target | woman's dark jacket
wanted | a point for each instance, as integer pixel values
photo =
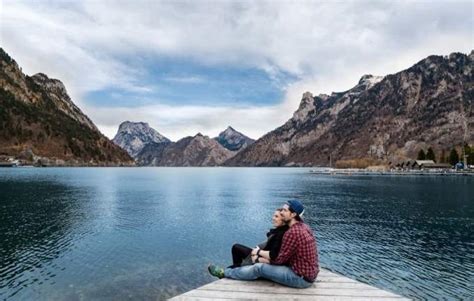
(274, 240)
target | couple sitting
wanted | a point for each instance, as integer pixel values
(288, 257)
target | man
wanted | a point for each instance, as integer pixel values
(297, 263)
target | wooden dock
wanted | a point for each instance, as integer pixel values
(328, 286)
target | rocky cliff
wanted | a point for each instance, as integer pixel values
(39, 120)
(134, 136)
(233, 140)
(381, 118)
(199, 150)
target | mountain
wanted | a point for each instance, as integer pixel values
(381, 119)
(199, 150)
(190, 151)
(233, 140)
(40, 123)
(134, 136)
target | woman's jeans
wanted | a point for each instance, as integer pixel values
(276, 273)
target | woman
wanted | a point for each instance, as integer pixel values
(241, 255)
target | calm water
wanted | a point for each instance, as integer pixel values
(148, 233)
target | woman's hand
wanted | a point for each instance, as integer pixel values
(264, 254)
(254, 258)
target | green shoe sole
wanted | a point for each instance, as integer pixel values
(216, 271)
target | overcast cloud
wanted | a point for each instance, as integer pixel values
(316, 46)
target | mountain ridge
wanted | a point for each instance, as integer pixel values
(198, 150)
(40, 124)
(148, 147)
(380, 119)
(384, 119)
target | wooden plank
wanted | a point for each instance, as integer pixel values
(349, 292)
(270, 296)
(338, 279)
(283, 289)
(341, 285)
(207, 298)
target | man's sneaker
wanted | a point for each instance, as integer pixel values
(216, 271)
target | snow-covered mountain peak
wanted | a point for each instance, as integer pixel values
(134, 136)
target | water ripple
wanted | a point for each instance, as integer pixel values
(148, 233)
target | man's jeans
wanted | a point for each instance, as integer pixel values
(277, 273)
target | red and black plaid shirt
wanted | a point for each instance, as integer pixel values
(299, 251)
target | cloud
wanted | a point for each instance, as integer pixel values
(185, 79)
(176, 122)
(327, 46)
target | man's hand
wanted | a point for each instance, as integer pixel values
(255, 250)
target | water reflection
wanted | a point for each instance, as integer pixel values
(35, 221)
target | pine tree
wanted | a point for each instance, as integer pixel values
(469, 151)
(453, 157)
(430, 155)
(421, 155)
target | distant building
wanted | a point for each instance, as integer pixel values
(437, 166)
(420, 164)
(8, 162)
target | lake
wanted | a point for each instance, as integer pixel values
(149, 233)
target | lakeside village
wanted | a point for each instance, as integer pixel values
(27, 158)
(425, 164)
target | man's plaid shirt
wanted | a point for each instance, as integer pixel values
(298, 251)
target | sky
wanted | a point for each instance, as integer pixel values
(199, 66)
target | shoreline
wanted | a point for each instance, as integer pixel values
(312, 170)
(359, 172)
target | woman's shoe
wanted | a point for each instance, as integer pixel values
(216, 271)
